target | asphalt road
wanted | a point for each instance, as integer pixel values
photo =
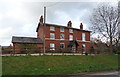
(99, 74)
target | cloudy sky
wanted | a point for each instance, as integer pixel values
(20, 18)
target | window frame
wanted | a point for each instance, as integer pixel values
(83, 37)
(63, 36)
(52, 46)
(70, 30)
(53, 35)
(70, 37)
(52, 28)
(62, 29)
(83, 48)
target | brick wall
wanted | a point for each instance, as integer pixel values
(77, 35)
(17, 47)
(40, 32)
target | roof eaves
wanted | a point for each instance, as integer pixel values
(65, 27)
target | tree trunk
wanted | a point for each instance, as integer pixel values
(111, 47)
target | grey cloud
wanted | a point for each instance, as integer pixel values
(72, 9)
(25, 25)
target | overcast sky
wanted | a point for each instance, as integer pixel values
(18, 18)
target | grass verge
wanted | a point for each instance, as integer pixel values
(57, 65)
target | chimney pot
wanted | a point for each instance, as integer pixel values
(81, 26)
(69, 24)
(41, 19)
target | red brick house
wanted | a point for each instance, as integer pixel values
(58, 36)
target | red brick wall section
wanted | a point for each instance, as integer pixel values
(77, 34)
(40, 32)
(40, 45)
(17, 49)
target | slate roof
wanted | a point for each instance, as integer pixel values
(5, 46)
(59, 26)
(102, 44)
(29, 40)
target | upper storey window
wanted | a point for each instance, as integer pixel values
(61, 29)
(52, 36)
(62, 36)
(71, 30)
(83, 37)
(52, 28)
(70, 37)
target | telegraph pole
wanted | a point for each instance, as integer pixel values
(44, 28)
(119, 24)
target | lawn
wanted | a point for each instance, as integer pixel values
(57, 65)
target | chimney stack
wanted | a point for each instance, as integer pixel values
(69, 24)
(41, 19)
(81, 26)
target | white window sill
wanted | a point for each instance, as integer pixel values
(62, 39)
(52, 38)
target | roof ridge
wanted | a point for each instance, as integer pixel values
(47, 24)
(26, 40)
(22, 37)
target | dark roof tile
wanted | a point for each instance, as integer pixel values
(29, 40)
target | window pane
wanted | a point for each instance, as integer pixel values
(62, 36)
(52, 36)
(83, 48)
(71, 37)
(52, 46)
(70, 30)
(52, 28)
(61, 29)
(83, 36)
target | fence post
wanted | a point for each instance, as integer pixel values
(0, 60)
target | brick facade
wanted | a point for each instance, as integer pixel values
(77, 35)
(17, 47)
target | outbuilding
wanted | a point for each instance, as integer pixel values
(23, 44)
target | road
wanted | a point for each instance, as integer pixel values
(99, 74)
(104, 74)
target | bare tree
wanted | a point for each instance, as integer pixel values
(106, 20)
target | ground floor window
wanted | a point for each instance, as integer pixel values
(52, 46)
(83, 48)
(62, 45)
(71, 37)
